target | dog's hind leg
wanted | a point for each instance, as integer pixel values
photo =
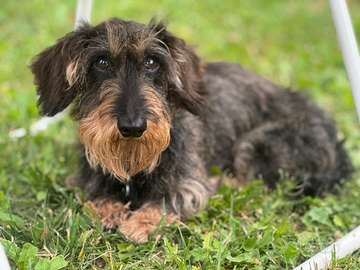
(254, 157)
(310, 155)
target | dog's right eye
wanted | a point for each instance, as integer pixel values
(151, 64)
(102, 64)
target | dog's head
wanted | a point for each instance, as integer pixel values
(125, 80)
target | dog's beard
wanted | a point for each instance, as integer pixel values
(123, 157)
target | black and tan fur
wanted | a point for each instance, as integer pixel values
(187, 116)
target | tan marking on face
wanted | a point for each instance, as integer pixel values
(124, 157)
(71, 74)
(115, 35)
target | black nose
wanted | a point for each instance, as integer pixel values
(134, 128)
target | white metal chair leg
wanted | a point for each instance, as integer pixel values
(346, 245)
(348, 46)
(345, 33)
(83, 13)
(4, 264)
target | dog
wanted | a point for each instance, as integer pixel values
(140, 93)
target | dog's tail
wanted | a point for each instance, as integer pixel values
(343, 169)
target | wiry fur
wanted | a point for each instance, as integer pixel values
(123, 157)
(198, 116)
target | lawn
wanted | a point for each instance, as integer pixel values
(43, 225)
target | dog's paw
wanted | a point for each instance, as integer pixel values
(111, 223)
(137, 225)
(112, 213)
(140, 224)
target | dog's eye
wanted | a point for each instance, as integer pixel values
(102, 64)
(151, 64)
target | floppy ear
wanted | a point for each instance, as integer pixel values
(187, 87)
(57, 73)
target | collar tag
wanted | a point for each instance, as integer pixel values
(127, 186)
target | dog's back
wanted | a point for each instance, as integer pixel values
(256, 127)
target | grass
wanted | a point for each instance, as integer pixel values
(45, 226)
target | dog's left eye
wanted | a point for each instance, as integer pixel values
(151, 64)
(102, 64)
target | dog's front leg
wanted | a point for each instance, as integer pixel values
(186, 198)
(140, 224)
(137, 225)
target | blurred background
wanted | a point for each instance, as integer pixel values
(290, 42)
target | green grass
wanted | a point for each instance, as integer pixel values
(290, 42)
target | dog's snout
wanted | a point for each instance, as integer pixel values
(133, 129)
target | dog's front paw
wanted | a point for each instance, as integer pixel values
(112, 213)
(112, 222)
(137, 225)
(140, 224)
